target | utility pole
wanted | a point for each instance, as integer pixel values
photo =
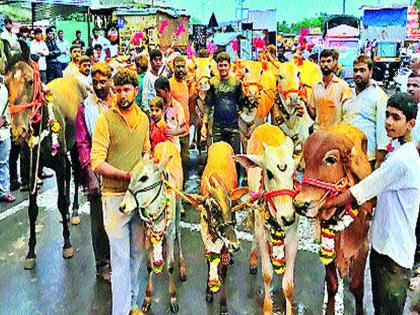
(344, 6)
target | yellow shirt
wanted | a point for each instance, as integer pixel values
(328, 101)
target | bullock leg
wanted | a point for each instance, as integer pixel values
(356, 273)
(147, 302)
(267, 271)
(181, 261)
(332, 287)
(223, 303)
(77, 171)
(291, 246)
(253, 258)
(170, 258)
(63, 203)
(30, 260)
(209, 293)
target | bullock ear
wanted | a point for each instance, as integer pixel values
(358, 163)
(249, 160)
(237, 193)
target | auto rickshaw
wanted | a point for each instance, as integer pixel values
(386, 61)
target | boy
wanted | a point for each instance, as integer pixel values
(158, 126)
(396, 183)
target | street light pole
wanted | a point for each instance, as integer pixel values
(344, 6)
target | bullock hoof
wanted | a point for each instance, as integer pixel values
(209, 296)
(145, 307)
(29, 263)
(75, 220)
(174, 307)
(183, 277)
(253, 270)
(223, 310)
(68, 252)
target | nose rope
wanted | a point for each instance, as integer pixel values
(332, 189)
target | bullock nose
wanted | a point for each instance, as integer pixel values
(302, 208)
(290, 221)
(122, 207)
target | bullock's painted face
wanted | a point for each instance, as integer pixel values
(326, 156)
(145, 190)
(396, 124)
(20, 84)
(277, 166)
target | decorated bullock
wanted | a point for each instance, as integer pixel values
(200, 71)
(43, 123)
(150, 194)
(271, 177)
(218, 191)
(335, 159)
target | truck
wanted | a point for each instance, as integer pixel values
(342, 32)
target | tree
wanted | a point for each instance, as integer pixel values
(305, 23)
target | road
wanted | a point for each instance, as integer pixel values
(58, 286)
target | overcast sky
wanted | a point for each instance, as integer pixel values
(289, 10)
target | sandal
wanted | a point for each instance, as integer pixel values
(8, 198)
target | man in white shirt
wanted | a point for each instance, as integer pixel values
(105, 43)
(366, 110)
(63, 59)
(150, 78)
(84, 72)
(396, 183)
(39, 48)
(413, 88)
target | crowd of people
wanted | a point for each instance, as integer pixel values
(126, 114)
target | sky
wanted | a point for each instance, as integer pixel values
(289, 10)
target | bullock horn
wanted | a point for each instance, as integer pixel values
(188, 198)
(246, 203)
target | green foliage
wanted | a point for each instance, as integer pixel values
(195, 20)
(305, 23)
(16, 12)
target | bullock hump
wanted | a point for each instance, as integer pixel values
(162, 151)
(265, 134)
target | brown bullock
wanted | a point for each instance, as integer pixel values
(335, 159)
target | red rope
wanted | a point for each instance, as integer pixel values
(333, 189)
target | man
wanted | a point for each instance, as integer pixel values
(5, 143)
(328, 95)
(78, 40)
(366, 110)
(8, 35)
(413, 88)
(73, 68)
(100, 100)
(179, 91)
(39, 48)
(120, 139)
(142, 65)
(414, 68)
(150, 78)
(63, 59)
(24, 35)
(396, 184)
(93, 54)
(174, 118)
(52, 61)
(225, 100)
(102, 41)
(84, 72)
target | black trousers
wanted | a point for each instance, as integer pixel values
(390, 283)
(16, 151)
(231, 136)
(185, 155)
(100, 242)
(53, 71)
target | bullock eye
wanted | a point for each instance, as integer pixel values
(269, 174)
(282, 168)
(330, 160)
(281, 77)
(144, 178)
(246, 70)
(30, 82)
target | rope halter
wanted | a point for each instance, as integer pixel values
(332, 189)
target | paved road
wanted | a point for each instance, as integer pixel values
(58, 286)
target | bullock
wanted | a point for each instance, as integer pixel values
(271, 167)
(43, 123)
(150, 194)
(335, 159)
(218, 190)
(199, 72)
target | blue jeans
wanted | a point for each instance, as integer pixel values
(126, 240)
(4, 167)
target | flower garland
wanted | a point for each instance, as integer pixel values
(328, 232)
(277, 257)
(214, 280)
(53, 124)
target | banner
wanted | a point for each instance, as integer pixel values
(413, 32)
